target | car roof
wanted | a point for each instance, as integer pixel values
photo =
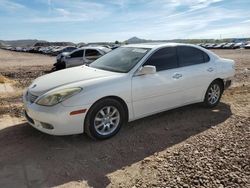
(90, 47)
(157, 45)
(93, 47)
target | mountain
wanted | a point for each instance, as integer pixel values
(33, 42)
(135, 40)
(45, 43)
(21, 43)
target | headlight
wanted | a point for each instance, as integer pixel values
(56, 97)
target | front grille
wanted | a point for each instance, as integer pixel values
(30, 97)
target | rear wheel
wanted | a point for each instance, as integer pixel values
(105, 119)
(213, 94)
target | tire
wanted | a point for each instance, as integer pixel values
(60, 66)
(213, 94)
(96, 122)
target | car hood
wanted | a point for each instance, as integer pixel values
(68, 76)
(62, 54)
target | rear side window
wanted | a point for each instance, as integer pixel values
(163, 59)
(78, 53)
(90, 53)
(191, 56)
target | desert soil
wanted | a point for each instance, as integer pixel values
(187, 147)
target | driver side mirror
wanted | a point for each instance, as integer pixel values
(148, 69)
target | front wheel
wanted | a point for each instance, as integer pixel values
(105, 119)
(213, 94)
(61, 66)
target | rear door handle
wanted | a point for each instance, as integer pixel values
(210, 69)
(177, 76)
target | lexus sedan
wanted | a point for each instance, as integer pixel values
(130, 82)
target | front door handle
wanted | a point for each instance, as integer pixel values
(177, 76)
(210, 69)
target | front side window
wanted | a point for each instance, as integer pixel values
(191, 56)
(163, 59)
(122, 59)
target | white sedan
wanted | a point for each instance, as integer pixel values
(80, 56)
(84, 55)
(126, 84)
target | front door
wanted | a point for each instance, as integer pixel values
(153, 93)
(76, 58)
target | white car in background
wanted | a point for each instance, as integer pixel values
(81, 56)
(126, 84)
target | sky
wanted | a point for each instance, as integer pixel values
(111, 20)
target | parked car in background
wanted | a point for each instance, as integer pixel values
(115, 46)
(43, 50)
(19, 49)
(210, 46)
(219, 46)
(8, 48)
(247, 46)
(128, 83)
(228, 45)
(237, 45)
(34, 49)
(85, 55)
(61, 55)
(62, 49)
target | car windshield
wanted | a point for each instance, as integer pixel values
(122, 59)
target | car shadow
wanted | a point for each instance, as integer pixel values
(56, 160)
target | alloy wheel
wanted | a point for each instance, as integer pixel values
(106, 120)
(214, 94)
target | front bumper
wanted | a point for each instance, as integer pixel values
(59, 65)
(227, 83)
(55, 120)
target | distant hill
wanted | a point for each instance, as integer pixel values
(33, 42)
(135, 40)
(21, 43)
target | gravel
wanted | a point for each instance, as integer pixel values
(218, 157)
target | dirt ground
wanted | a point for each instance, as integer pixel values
(187, 147)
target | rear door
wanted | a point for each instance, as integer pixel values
(91, 55)
(198, 71)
